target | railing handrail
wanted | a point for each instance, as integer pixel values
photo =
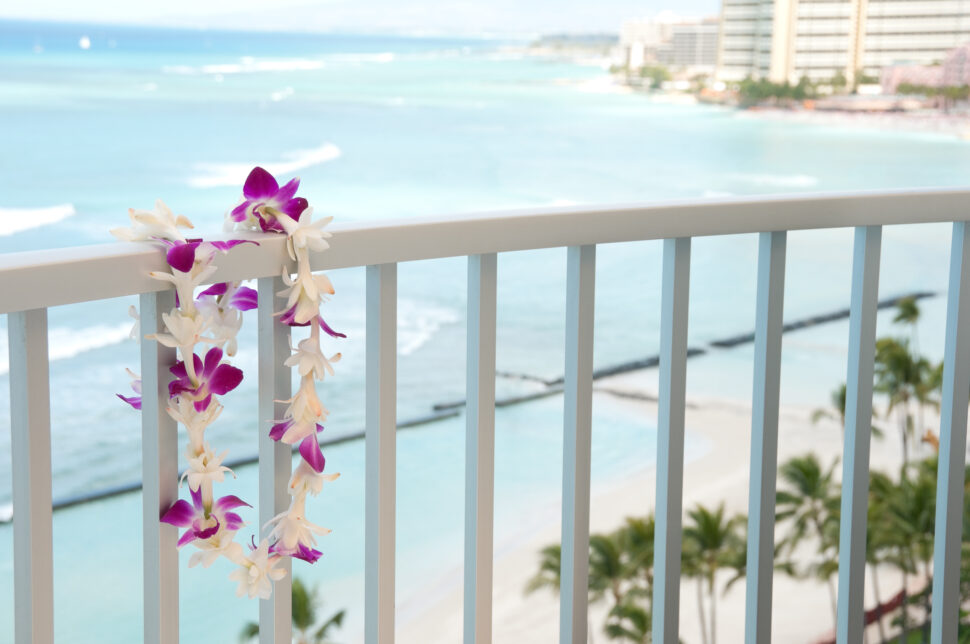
(31, 282)
(37, 279)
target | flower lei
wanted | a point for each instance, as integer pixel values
(214, 317)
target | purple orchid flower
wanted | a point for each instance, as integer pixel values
(214, 378)
(134, 401)
(306, 553)
(241, 298)
(260, 191)
(181, 254)
(309, 447)
(288, 318)
(183, 514)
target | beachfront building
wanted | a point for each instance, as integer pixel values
(953, 72)
(785, 40)
(956, 66)
(672, 41)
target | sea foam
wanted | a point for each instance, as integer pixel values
(419, 322)
(776, 180)
(247, 65)
(67, 343)
(215, 175)
(15, 220)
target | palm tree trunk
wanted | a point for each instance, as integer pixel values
(700, 609)
(903, 433)
(904, 633)
(926, 602)
(878, 596)
(713, 612)
(834, 601)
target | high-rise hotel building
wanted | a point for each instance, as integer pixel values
(787, 39)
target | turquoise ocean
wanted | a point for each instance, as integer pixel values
(386, 127)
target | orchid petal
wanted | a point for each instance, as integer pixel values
(225, 379)
(328, 330)
(279, 429)
(295, 207)
(181, 514)
(288, 190)
(134, 401)
(229, 502)
(208, 532)
(260, 184)
(239, 212)
(226, 246)
(244, 299)
(181, 257)
(216, 289)
(212, 359)
(307, 554)
(202, 405)
(310, 451)
(233, 521)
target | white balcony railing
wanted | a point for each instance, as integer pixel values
(31, 282)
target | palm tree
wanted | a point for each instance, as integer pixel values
(907, 312)
(304, 614)
(836, 411)
(810, 506)
(879, 536)
(912, 514)
(606, 570)
(710, 539)
(904, 379)
(550, 565)
(691, 566)
(629, 622)
(636, 541)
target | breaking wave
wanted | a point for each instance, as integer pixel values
(64, 343)
(247, 65)
(15, 220)
(419, 322)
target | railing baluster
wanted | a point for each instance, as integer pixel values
(764, 435)
(670, 439)
(30, 428)
(953, 442)
(381, 420)
(480, 449)
(574, 595)
(275, 458)
(858, 430)
(159, 449)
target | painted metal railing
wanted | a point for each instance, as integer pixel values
(33, 281)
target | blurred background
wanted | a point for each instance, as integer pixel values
(391, 110)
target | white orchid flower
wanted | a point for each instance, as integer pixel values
(306, 480)
(159, 223)
(256, 572)
(305, 235)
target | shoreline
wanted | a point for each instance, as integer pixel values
(948, 125)
(719, 474)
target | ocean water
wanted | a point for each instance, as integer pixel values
(382, 127)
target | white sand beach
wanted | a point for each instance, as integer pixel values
(929, 121)
(802, 609)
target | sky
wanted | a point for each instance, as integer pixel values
(413, 16)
